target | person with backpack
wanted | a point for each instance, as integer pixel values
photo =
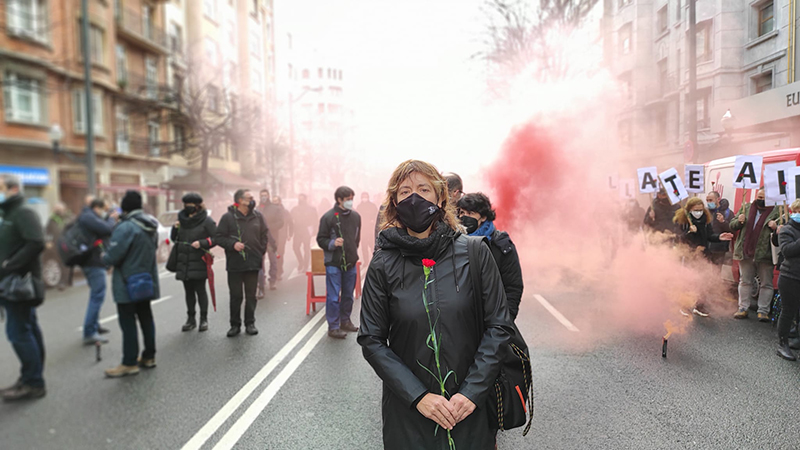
(193, 236)
(21, 245)
(132, 253)
(476, 214)
(96, 224)
(419, 296)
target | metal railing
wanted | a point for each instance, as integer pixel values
(134, 23)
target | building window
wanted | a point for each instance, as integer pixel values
(153, 132)
(79, 111)
(27, 18)
(660, 121)
(122, 129)
(23, 98)
(625, 39)
(255, 44)
(176, 38)
(213, 99)
(624, 133)
(257, 79)
(305, 74)
(147, 21)
(626, 85)
(321, 108)
(232, 33)
(96, 38)
(340, 75)
(320, 73)
(210, 8)
(704, 47)
(762, 82)
(703, 109)
(766, 18)
(178, 137)
(663, 79)
(662, 21)
(122, 65)
(151, 76)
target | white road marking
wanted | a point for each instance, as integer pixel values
(231, 438)
(211, 427)
(114, 317)
(560, 317)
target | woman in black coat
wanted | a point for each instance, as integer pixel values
(193, 236)
(422, 410)
(476, 214)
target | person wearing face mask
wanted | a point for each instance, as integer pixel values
(97, 224)
(477, 216)
(695, 230)
(244, 235)
(274, 217)
(420, 224)
(658, 217)
(789, 282)
(721, 222)
(194, 236)
(755, 222)
(339, 236)
(21, 246)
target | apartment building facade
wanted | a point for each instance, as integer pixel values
(745, 53)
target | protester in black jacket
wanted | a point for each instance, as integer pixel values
(243, 234)
(659, 215)
(476, 214)
(789, 282)
(97, 223)
(193, 237)
(694, 229)
(339, 236)
(396, 324)
(21, 245)
(721, 221)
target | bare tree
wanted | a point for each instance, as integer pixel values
(521, 39)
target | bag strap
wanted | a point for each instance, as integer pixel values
(473, 244)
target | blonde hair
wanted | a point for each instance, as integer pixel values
(403, 171)
(795, 206)
(682, 215)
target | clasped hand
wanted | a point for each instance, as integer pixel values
(446, 413)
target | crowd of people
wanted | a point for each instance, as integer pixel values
(712, 231)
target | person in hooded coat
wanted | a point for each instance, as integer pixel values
(395, 323)
(658, 217)
(694, 228)
(193, 235)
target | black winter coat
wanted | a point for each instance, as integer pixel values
(254, 233)
(329, 231)
(21, 243)
(505, 255)
(199, 228)
(700, 238)
(394, 332)
(789, 239)
(97, 228)
(664, 214)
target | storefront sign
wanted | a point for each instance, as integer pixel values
(30, 176)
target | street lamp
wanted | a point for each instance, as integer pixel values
(55, 137)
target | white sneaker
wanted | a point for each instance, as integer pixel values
(697, 312)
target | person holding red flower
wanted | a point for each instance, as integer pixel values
(339, 236)
(420, 329)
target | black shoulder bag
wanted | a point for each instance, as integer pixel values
(512, 401)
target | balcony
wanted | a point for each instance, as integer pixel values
(132, 26)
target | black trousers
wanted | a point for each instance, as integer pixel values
(243, 285)
(790, 304)
(128, 313)
(196, 293)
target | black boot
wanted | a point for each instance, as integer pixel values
(203, 324)
(190, 324)
(794, 343)
(784, 351)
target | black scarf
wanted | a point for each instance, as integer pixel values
(409, 245)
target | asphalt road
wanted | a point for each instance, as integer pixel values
(291, 387)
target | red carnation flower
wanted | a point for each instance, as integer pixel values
(98, 243)
(784, 183)
(336, 214)
(167, 241)
(428, 262)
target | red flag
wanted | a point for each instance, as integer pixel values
(209, 260)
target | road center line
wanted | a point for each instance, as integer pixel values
(251, 414)
(114, 317)
(560, 317)
(211, 427)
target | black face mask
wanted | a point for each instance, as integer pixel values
(416, 213)
(760, 204)
(251, 206)
(470, 223)
(189, 210)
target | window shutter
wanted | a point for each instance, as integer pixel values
(36, 101)
(14, 15)
(77, 110)
(97, 113)
(8, 95)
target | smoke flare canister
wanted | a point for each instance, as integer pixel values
(664, 347)
(97, 354)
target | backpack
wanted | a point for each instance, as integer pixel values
(75, 245)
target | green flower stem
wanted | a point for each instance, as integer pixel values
(344, 258)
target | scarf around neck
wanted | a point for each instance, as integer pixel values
(486, 230)
(751, 235)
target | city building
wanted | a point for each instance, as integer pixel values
(746, 62)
